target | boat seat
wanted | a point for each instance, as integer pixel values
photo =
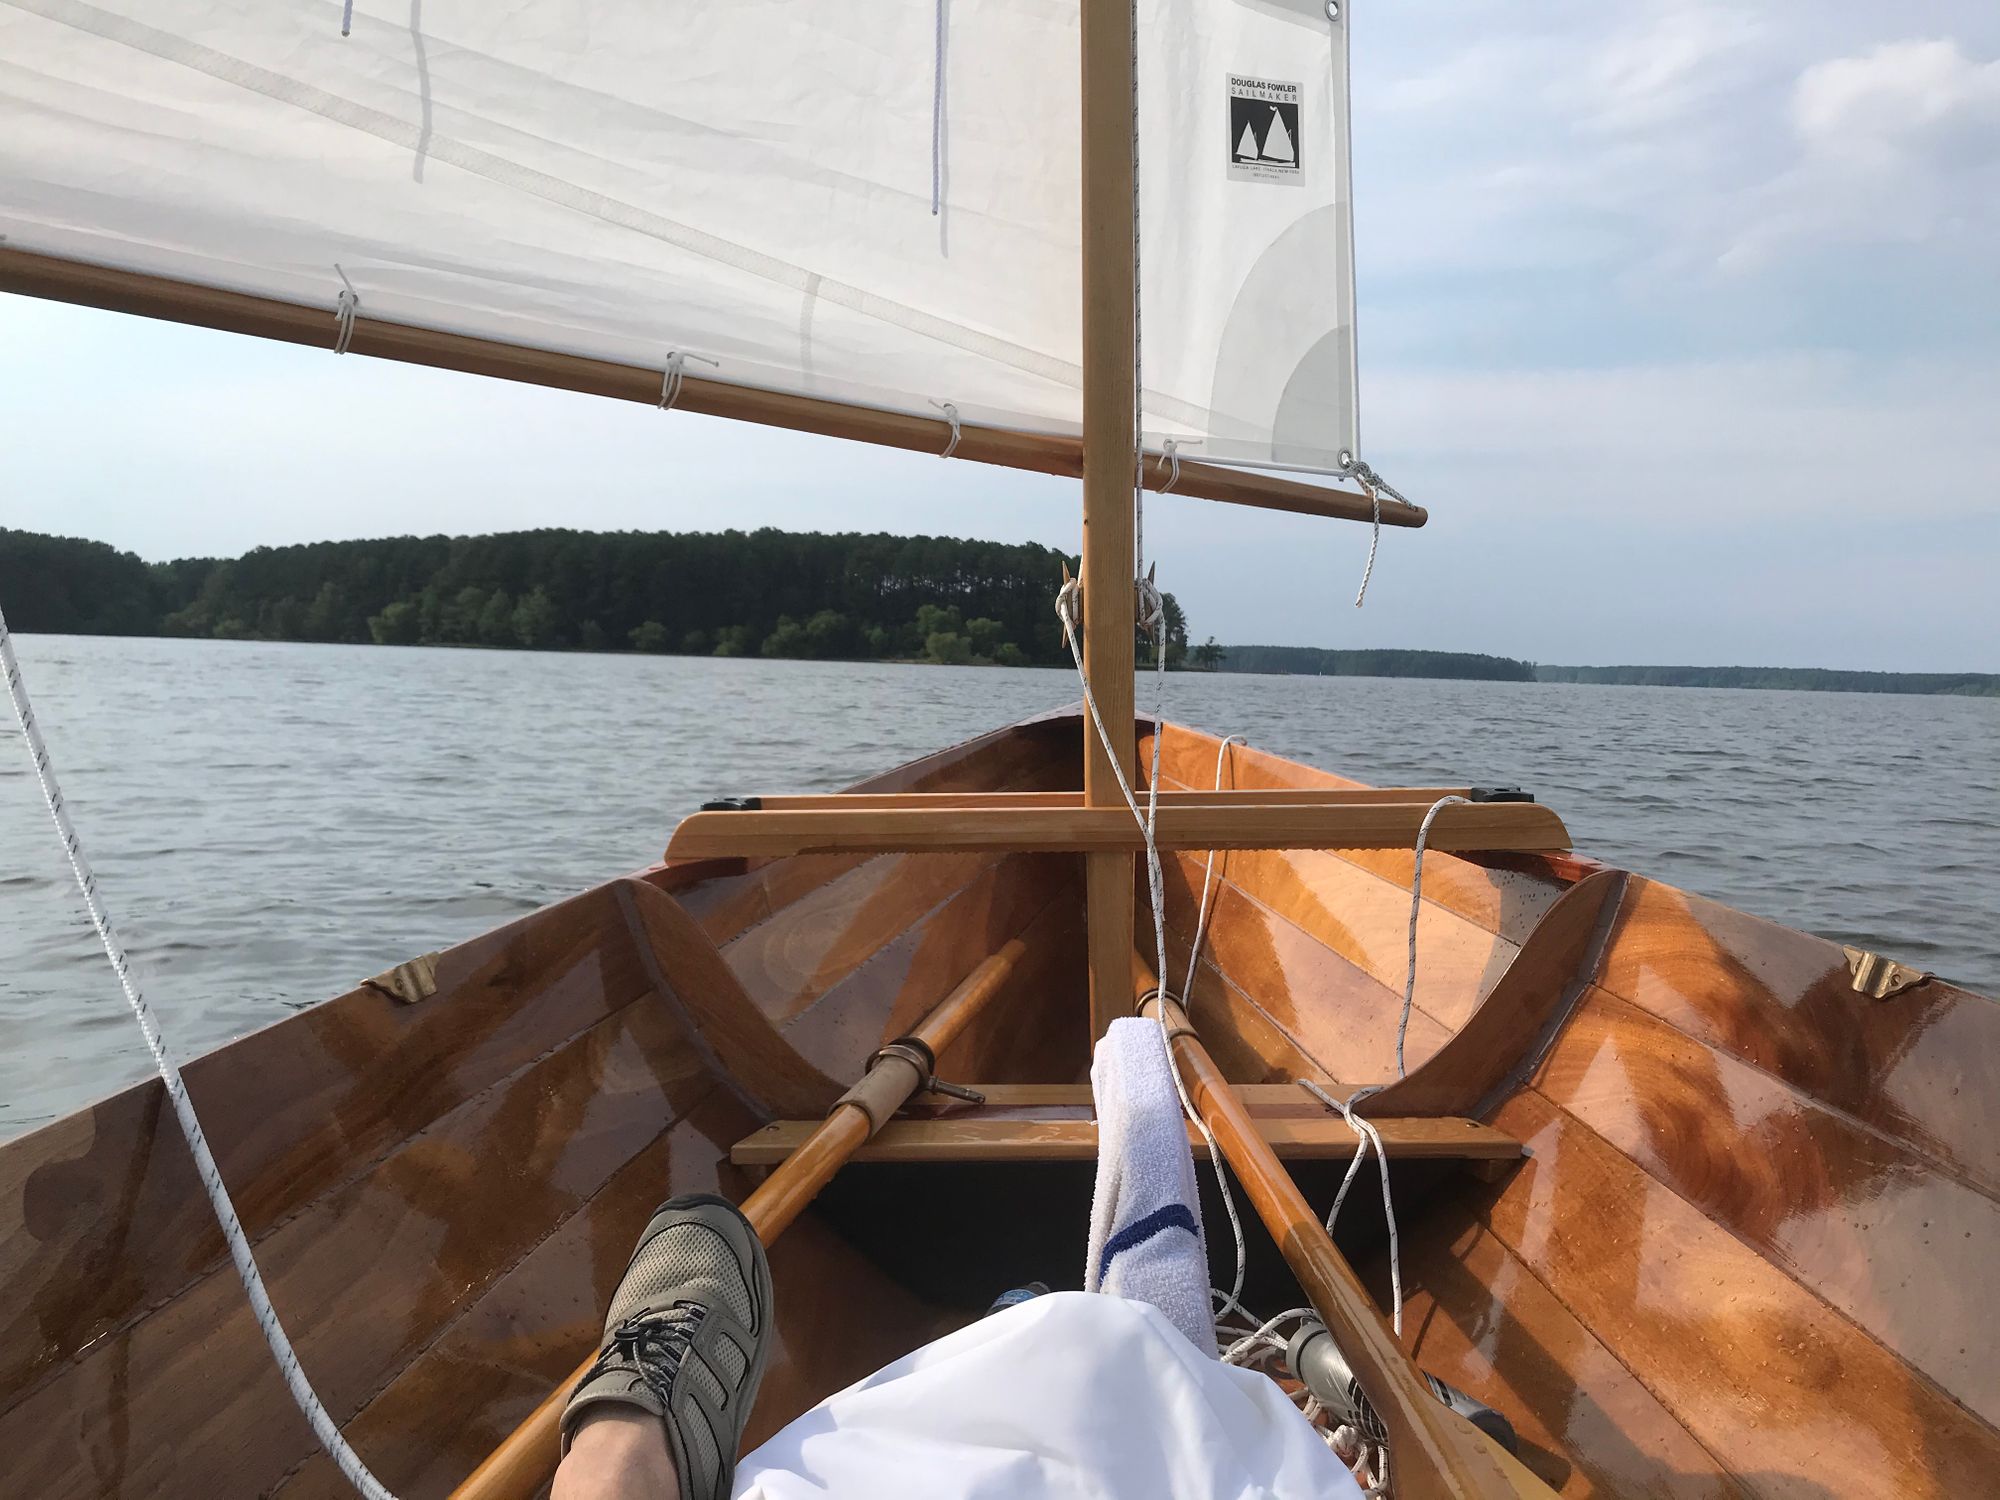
(1044, 1131)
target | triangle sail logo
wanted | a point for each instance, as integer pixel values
(1264, 139)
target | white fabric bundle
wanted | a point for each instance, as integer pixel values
(1065, 1397)
(1145, 1219)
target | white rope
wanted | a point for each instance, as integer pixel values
(950, 415)
(1066, 610)
(1416, 906)
(1263, 1335)
(1207, 878)
(322, 1424)
(1170, 457)
(937, 113)
(675, 372)
(1366, 1135)
(344, 309)
(1375, 486)
(1374, 540)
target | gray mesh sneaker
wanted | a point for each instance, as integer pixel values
(686, 1338)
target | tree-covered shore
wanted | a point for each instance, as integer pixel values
(1468, 666)
(849, 596)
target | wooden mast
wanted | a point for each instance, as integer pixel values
(1110, 407)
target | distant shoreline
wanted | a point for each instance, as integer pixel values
(1465, 666)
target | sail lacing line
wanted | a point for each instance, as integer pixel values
(344, 308)
(323, 1426)
(675, 372)
(950, 415)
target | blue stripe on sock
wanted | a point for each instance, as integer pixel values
(1173, 1216)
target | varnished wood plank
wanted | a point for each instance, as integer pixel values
(1485, 888)
(509, 1341)
(1481, 1321)
(734, 1039)
(1040, 1027)
(363, 1278)
(1248, 1044)
(1177, 797)
(100, 1214)
(788, 962)
(29, 274)
(971, 1138)
(899, 983)
(1855, 1216)
(1260, 1099)
(1787, 1394)
(1495, 1050)
(1331, 1010)
(1490, 825)
(1365, 919)
(1923, 1066)
(1017, 756)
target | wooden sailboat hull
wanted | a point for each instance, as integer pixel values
(1741, 1255)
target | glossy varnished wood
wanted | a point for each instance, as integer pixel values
(1788, 1394)
(1102, 830)
(1496, 1049)
(1480, 1320)
(101, 1218)
(1854, 1216)
(1923, 1066)
(969, 1139)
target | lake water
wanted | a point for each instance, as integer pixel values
(272, 823)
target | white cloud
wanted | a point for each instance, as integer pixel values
(1900, 99)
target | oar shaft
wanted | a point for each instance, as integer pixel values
(521, 1465)
(1431, 1461)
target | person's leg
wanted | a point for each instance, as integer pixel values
(617, 1453)
(662, 1412)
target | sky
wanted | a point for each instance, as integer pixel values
(1683, 321)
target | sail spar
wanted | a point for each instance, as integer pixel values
(747, 183)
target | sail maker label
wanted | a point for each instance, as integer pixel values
(1263, 130)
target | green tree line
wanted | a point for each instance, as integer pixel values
(1798, 679)
(1317, 661)
(849, 596)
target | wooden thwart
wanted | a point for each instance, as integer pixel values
(971, 1139)
(1218, 820)
(998, 801)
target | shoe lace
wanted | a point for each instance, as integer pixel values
(653, 1342)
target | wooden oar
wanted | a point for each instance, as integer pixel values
(1431, 1457)
(522, 1464)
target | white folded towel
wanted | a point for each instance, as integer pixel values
(1145, 1218)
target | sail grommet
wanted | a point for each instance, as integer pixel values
(950, 415)
(670, 380)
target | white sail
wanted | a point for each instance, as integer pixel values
(749, 182)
